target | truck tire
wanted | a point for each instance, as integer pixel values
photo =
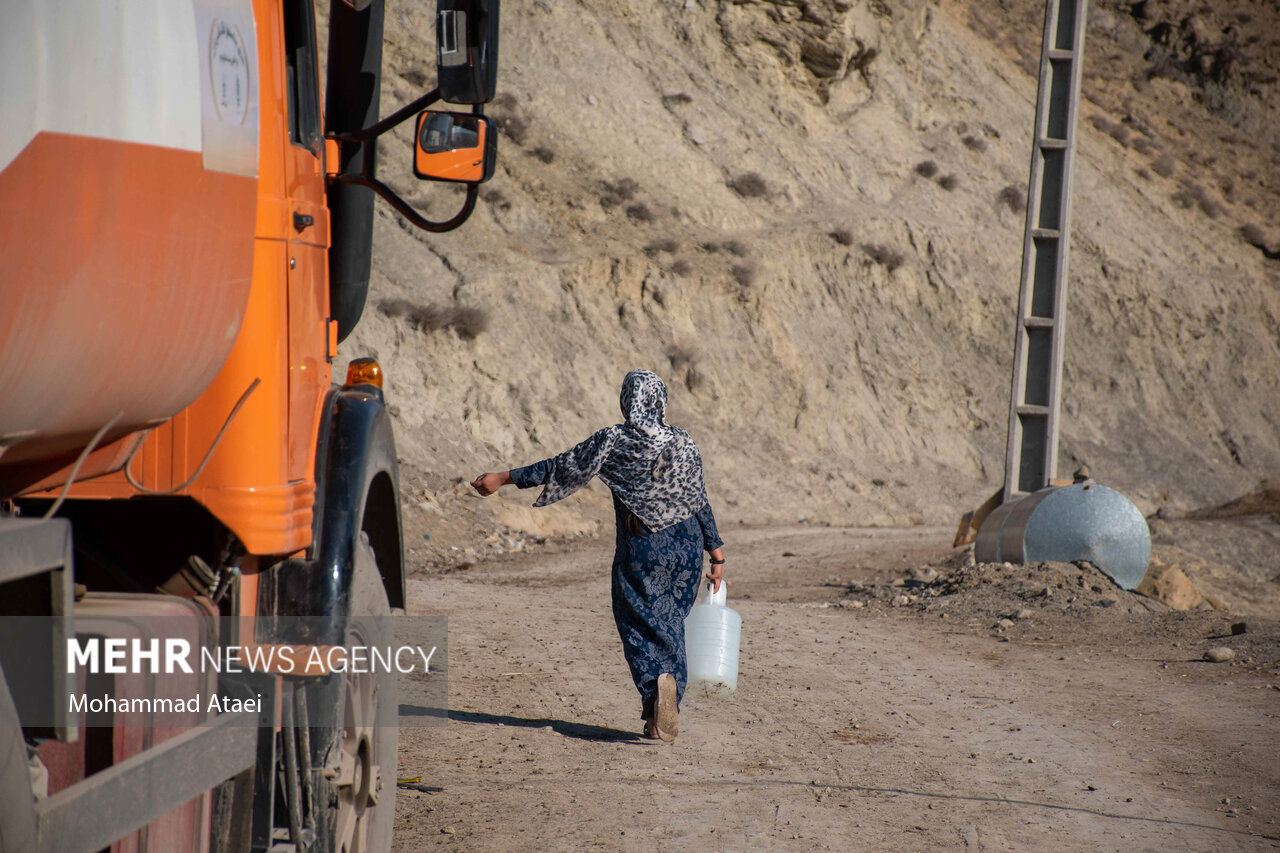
(17, 804)
(359, 783)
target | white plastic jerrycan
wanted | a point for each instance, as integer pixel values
(711, 635)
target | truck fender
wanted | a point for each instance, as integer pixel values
(357, 493)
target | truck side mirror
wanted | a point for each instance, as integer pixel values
(458, 147)
(467, 50)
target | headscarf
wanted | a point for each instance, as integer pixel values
(654, 469)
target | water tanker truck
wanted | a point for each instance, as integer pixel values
(185, 235)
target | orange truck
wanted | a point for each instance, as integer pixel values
(185, 237)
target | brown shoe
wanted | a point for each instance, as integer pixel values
(665, 718)
(650, 729)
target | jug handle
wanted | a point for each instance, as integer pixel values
(717, 597)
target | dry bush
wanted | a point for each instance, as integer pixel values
(495, 197)
(1145, 146)
(1143, 173)
(744, 274)
(735, 248)
(668, 245)
(1115, 130)
(612, 195)
(1192, 194)
(546, 155)
(749, 185)
(676, 99)
(977, 143)
(415, 77)
(949, 182)
(710, 247)
(1012, 197)
(505, 101)
(466, 321)
(681, 356)
(514, 128)
(681, 267)
(1253, 235)
(888, 258)
(926, 168)
(639, 212)
(843, 236)
(1163, 165)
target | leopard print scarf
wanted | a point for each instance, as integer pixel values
(654, 469)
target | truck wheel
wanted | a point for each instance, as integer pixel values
(17, 805)
(359, 782)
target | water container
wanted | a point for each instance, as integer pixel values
(711, 634)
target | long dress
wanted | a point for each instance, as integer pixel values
(655, 582)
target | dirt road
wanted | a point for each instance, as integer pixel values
(853, 727)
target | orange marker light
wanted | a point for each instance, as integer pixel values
(364, 371)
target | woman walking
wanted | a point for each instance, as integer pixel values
(664, 523)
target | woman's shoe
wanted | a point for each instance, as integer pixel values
(650, 729)
(665, 718)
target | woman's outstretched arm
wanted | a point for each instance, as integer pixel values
(487, 484)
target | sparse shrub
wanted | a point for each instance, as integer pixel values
(495, 197)
(735, 248)
(681, 267)
(614, 194)
(843, 236)
(546, 155)
(1253, 235)
(926, 168)
(976, 143)
(883, 255)
(668, 245)
(639, 212)
(514, 128)
(1163, 165)
(681, 356)
(862, 60)
(468, 322)
(1116, 131)
(710, 247)
(749, 185)
(1012, 198)
(415, 77)
(676, 99)
(1145, 146)
(1143, 173)
(505, 101)
(949, 182)
(744, 274)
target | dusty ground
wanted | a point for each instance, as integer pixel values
(1089, 722)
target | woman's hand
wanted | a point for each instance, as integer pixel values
(715, 574)
(487, 484)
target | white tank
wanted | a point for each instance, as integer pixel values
(712, 632)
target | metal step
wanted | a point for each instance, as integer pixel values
(1031, 457)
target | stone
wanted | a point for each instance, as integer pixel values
(1170, 585)
(697, 134)
(1238, 628)
(1024, 613)
(1005, 623)
(1219, 654)
(900, 601)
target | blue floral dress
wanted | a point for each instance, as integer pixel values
(655, 582)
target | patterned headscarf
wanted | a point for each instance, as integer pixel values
(654, 469)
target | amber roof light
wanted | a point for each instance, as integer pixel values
(364, 371)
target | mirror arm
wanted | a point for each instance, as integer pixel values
(373, 131)
(402, 207)
(369, 181)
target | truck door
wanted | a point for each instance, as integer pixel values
(308, 236)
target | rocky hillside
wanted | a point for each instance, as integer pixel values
(807, 217)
